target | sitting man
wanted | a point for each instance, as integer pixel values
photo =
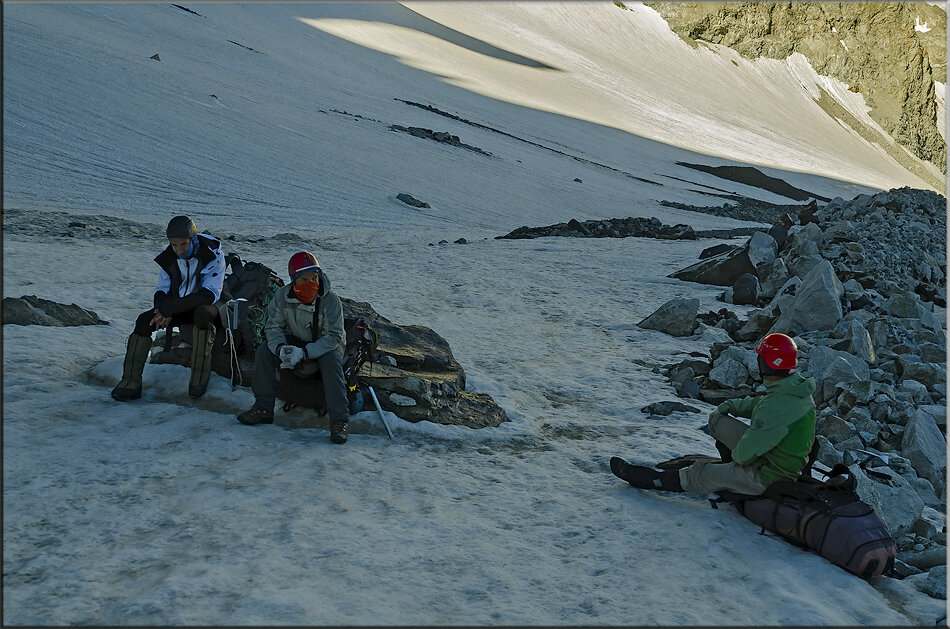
(774, 447)
(190, 282)
(304, 324)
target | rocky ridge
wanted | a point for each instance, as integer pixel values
(861, 287)
(622, 228)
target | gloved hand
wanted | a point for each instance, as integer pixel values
(714, 415)
(290, 356)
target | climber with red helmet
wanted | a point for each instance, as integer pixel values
(775, 445)
(190, 283)
(304, 332)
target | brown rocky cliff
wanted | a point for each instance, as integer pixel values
(872, 47)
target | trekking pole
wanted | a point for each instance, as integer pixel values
(380, 411)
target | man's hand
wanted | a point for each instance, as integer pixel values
(159, 321)
(290, 356)
(714, 415)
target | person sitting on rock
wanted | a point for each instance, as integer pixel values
(776, 445)
(190, 282)
(304, 325)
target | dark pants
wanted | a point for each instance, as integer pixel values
(202, 317)
(264, 385)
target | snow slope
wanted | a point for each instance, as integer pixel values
(264, 119)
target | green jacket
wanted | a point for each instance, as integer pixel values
(782, 427)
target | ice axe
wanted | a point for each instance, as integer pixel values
(380, 411)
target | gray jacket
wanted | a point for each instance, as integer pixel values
(291, 322)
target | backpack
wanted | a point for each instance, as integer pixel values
(256, 284)
(299, 388)
(826, 517)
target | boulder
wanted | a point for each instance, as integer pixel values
(938, 412)
(927, 558)
(935, 583)
(719, 270)
(821, 357)
(677, 317)
(929, 524)
(408, 199)
(784, 298)
(817, 303)
(800, 250)
(827, 453)
(718, 396)
(926, 447)
(913, 392)
(687, 389)
(891, 496)
(833, 428)
(746, 290)
(928, 374)
(857, 341)
(666, 408)
(932, 353)
(715, 250)
(842, 231)
(33, 310)
(756, 327)
(729, 373)
(762, 249)
(772, 276)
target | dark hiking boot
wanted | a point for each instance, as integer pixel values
(338, 432)
(646, 477)
(256, 415)
(136, 353)
(201, 343)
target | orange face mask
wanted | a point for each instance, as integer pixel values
(307, 291)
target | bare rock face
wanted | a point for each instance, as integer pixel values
(413, 372)
(882, 50)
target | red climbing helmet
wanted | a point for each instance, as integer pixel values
(301, 262)
(778, 351)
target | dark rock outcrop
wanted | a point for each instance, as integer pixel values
(608, 228)
(32, 310)
(408, 199)
(439, 136)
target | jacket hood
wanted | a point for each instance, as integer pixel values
(795, 385)
(324, 284)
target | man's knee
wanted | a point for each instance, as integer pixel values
(264, 355)
(143, 324)
(204, 316)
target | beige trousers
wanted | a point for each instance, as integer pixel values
(705, 478)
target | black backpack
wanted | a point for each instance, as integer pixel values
(255, 283)
(826, 517)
